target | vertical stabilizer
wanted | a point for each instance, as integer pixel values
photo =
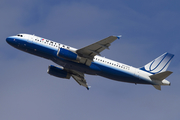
(158, 65)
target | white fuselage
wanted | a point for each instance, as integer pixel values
(100, 66)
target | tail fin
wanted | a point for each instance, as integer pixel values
(158, 65)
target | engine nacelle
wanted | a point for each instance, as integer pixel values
(66, 54)
(58, 72)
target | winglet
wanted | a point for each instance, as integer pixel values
(88, 87)
(119, 36)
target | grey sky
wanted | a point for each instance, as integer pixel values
(148, 29)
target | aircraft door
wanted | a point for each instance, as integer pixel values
(30, 39)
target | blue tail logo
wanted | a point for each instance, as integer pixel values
(158, 65)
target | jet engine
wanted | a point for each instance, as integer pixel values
(66, 54)
(58, 72)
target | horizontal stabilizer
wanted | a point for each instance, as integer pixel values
(158, 87)
(160, 76)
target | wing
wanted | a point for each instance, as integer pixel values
(79, 78)
(94, 49)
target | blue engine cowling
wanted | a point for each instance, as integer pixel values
(58, 72)
(66, 54)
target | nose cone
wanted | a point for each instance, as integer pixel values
(10, 40)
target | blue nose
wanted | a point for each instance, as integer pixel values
(9, 40)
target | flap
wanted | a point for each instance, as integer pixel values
(79, 78)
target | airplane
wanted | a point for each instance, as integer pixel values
(76, 63)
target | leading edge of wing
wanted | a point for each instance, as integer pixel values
(94, 49)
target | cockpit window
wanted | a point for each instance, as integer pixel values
(20, 35)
